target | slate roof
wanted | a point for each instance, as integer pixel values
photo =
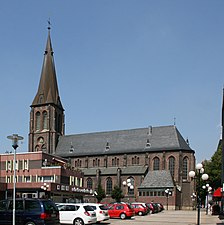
(131, 170)
(157, 179)
(163, 138)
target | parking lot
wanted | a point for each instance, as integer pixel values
(168, 217)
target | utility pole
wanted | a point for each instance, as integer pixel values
(222, 145)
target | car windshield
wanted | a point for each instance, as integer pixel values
(129, 206)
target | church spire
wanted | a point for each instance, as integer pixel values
(48, 88)
(47, 113)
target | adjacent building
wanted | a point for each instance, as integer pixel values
(40, 175)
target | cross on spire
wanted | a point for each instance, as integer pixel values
(49, 24)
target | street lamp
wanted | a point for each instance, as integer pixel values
(198, 174)
(193, 198)
(15, 139)
(130, 184)
(208, 190)
(168, 193)
(45, 187)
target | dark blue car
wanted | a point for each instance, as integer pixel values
(29, 211)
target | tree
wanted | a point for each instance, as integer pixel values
(213, 167)
(100, 193)
(117, 194)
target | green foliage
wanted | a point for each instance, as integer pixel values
(100, 193)
(117, 194)
(213, 168)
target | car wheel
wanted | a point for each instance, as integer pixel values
(122, 216)
(140, 213)
(78, 221)
(30, 223)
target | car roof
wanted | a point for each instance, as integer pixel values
(65, 203)
(96, 204)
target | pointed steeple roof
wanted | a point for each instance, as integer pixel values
(48, 88)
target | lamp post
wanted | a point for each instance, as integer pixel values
(15, 139)
(129, 183)
(193, 198)
(208, 190)
(45, 187)
(168, 193)
(198, 175)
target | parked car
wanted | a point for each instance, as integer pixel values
(139, 209)
(76, 213)
(144, 205)
(101, 211)
(151, 208)
(121, 210)
(160, 206)
(29, 211)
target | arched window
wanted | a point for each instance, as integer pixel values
(172, 165)
(89, 183)
(105, 161)
(37, 121)
(135, 160)
(45, 127)
(37, 148)
(98, 162)
(185, 168)
(109, 186)
(156, 163)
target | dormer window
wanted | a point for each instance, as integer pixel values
(71, 150)
(40, 100)
(107, 148)
(147, 144)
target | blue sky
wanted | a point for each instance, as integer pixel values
(120, 65)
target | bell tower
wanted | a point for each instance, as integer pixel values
(47, 113)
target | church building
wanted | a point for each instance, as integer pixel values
(143, 162)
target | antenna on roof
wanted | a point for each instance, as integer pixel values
(174, 121)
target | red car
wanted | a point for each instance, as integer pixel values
(121, 210)
(139, 209)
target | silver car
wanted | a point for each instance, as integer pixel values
(76, 213)
(101, 211)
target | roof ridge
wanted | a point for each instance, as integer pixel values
(110, 131)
